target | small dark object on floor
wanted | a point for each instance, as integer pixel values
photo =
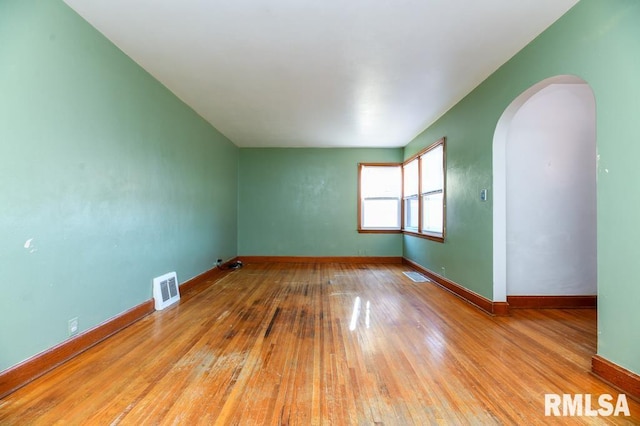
(235, 265)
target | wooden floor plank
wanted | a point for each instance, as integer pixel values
(280, 344)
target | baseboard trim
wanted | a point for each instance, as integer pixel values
(481, 302)
(207, 276)
(501, 309)
(619, 377)
(34, 367)
(322, 259)
(552, 302)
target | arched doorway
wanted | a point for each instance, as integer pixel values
(544, 183)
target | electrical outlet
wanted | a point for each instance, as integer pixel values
(73, 326)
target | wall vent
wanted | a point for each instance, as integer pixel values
(416, 277)
(165, 290)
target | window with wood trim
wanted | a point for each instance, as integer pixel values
(408, 197)
(424, 193)
(379, 195)
(411, 194)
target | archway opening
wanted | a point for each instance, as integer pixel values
(544, 184)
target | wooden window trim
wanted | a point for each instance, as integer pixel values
(359, 200)
(420, 233)
(438, 237)
(407, 197)
(432, 237)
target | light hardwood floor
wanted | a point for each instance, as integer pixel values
(279, 344)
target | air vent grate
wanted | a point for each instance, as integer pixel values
(165, 290)
(416, 277)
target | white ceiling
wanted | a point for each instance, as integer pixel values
(323, 73)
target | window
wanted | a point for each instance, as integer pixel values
(380, 191)
(411, 179)
(408, 197)
(432, 190)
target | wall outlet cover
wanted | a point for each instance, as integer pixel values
(73, 327)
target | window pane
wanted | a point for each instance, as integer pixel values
(432, 170)
(411, 213)
(411, 178)
(380, 214)
(432, 208)
(381, 181)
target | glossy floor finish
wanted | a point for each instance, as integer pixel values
(281, 344)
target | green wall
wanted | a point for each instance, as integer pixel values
(110, 177)
(303, 202)
(598, 41)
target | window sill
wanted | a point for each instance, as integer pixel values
(379, 231)
(437, 238)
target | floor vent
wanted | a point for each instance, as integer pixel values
(165, 290)
(416, 277)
